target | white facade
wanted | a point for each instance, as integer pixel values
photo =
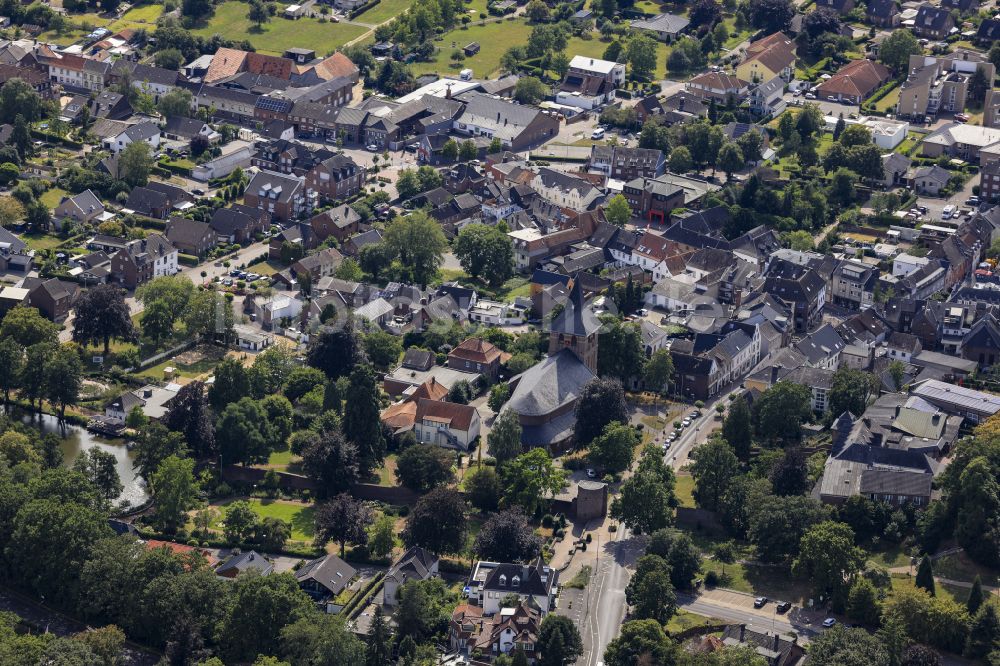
(116, 144)
(166, 265)
(580, 101)
(904, 264)
(76, 78)
(605, 69)
(434, 431)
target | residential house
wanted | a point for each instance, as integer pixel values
(852, 285)
(190, 236)
(152, 401)
(929, 180)
(415, 564)
(320, 264)
(799, 287)
(77, 73)
(654, 198)
(612, 72)
(775, 649)
(971, 143)
(988, 32)
(902, 346)
(662, 27)
(54, 298)
(341, 222)
(767, 58)
(623, 163)
(182, 128)
(535, 583)
(446, 424)
(585, 91)
(767, 98)
(882, 13)
(895, 167)
(565, 190)
(991, 109)
(719, 86)
(838, 6)
(142, 260)
(989, 182)
(336, 177)
(243, 563)
(238, 223)
(282, 196)
(964, 7)
(982, 343)
(145, 132)
(479, 356)
(822, 348)
(324, 578)
(855, 82)
(473, 632)
(932, 22)
(280, 307)
(518, 127)
(80, 208)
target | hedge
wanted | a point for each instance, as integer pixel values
(55, 138)
(362, 9)
(187, 259)
(175, 168)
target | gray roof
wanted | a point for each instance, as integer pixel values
(247, 561)
(938, 393)
(330, 571)
(552, 383)
(142, 131)
(576, 318)
(668, 23)
(895, 482)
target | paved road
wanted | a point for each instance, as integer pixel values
(764, 619)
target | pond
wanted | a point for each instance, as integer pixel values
(76, 439)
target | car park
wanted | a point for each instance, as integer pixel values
(829, 622)
(597, 134)
(696, 414)
(759, 602)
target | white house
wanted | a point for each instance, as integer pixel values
(612, 72)
(446, 424)
(235, 154)
(564, 190)
(492, 581)
(415, 564)
(253, 339)
(279, 307)
(151, 400)
(145, 131)
(903, 264)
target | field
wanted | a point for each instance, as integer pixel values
(230, 19)
(494, 39)
(144, 16)
(300, 516)
(383, 11)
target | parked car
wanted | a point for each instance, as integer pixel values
(810, 95)
(972, 201)
(829, 622)
(686, 422)
(372, 147)
(759, 602)
(783, 606)
(962, 117)
(642, 312)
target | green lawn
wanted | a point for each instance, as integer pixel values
(144, 16)
(684, 620)
(888, 102)
(41, 241)
(299, 516)
(230, 20)
(52, 197)
(384, 11)
(891, 557)
(960, 567)
(201, 368)
(493, 38)
(685, 490)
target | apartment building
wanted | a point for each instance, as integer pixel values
(940, 84)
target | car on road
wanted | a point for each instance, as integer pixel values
(962, 117)
(759, 602)
(591, 474)
(597, 134)
(810, 95)
(972, 201)
(829, 622)
(371, 147)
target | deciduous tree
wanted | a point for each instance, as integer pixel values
(437, 522)
(343, 519)
(507, 537)
(602, 400)
(422, 467)
(102, 315)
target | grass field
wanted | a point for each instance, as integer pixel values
(230, 20)
(138, 17)
(384, 11)
(41, 241)
(685, 490)
(493, 38)
(889, 101)
(299, 516)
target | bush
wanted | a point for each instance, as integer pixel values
(547, 520)
(711, 579)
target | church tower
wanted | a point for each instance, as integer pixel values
(576, 328)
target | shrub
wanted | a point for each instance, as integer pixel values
(711, 579)
(547, 520)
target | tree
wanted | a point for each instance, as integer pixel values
(437, 522)
(504, 440)
(737, 428)
(984, 632)
(105, 642)
(449, 150)
(378, 642)
(175, 490)
(896, 50)
(335, 352)
(258, 14)
(920, 655)
(841, 646)
(343, 519)
(11, 362)
(177, 102)
(559, 640)
(828, 557)
(530, 90)
(382, 537)
(361, 419)
(617, 211)
(938, 621)
(321, 639)
(976, 596)
(714, 467)
(776, 525)
(531, 479)
(620, 353)
(157, 324)
(612, 451)
(650, 592)
(680, 160)
(135, 163)
(680, 553)
(789, 475)
(925, 575)
(231, 384)
(482, 486)
(102, 315)
(659, 371)
(499, 395)
(100, 468)
(485, 251)
(243, 433)
(18, 98)
(240, 523)
(63, 378)
(863, 602)
(155, 444)
(422, 467)
(602, 400)
(640, 642)
(507, 537)
(261, 606)
(646, 501)
(419, 243)
(781, 410)
(537, 11)
(26, 326)
(730, 159)
(210, 314)
(705, 12)
(189, 413)
(641, 56)
(332, 462)
(851, 391)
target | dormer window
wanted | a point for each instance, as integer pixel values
(503, 580)
(515, 581)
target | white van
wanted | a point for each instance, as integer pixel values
(465, 74)
(597, 134)
(947, 212)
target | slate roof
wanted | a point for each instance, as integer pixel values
(246, 561)
(415, 564)
(576, 318)
(821, 344)
(668, 23)
(554, 382)
(329, 571)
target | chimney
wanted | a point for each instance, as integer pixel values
(447, 93)
(774, 374)
(897, 407)
(936, 419)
